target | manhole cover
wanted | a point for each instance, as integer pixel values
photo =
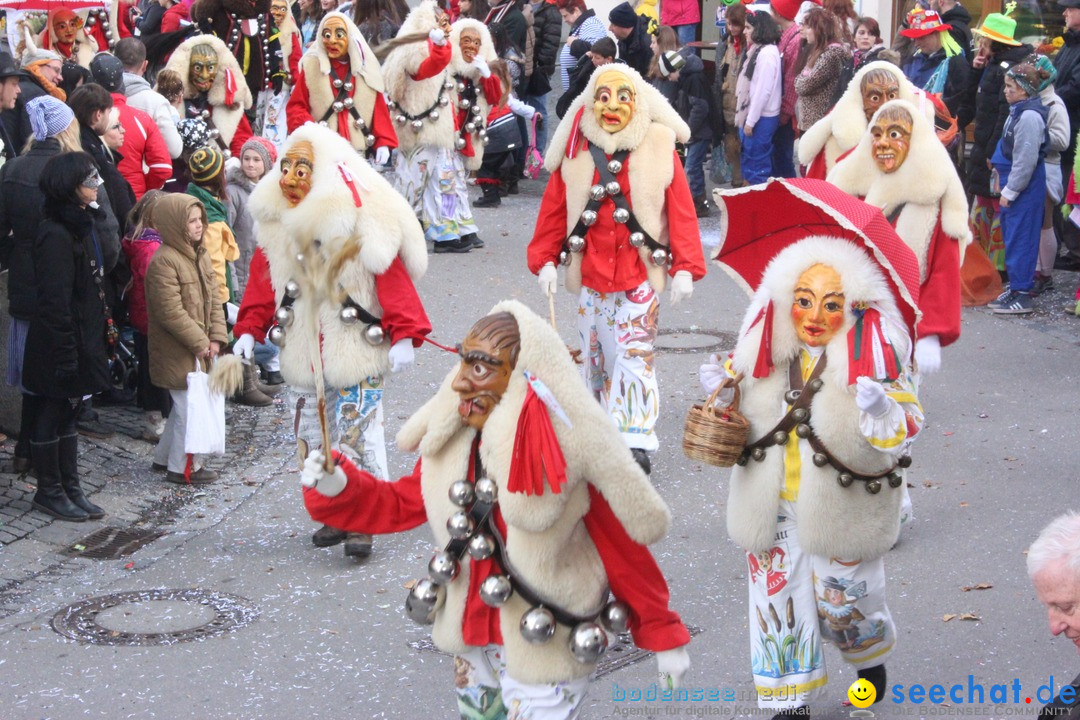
(621, 653)
(153, 617)
(693, 340)
(110, 543)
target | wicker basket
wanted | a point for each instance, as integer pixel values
(713, 435)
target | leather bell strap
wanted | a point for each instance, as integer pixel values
(361, 313)
(606, 176)
(793, 417)
(342, 95)
(581, 229)
(423, 115)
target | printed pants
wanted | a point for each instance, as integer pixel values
(796, 601)
(355, 415)
(486, 692)
(617, 332)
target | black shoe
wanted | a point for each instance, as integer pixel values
(20, 464)
(357, 545)
(158, 467)
(68, 455)
(512, 188)
(701, 207)
(474, 239)
(491, 198)
(327, 536)
(1067, 262)
(876, 676)
(198, 477)
(273, 377)
(642, 458)
(94, 428)
(50, 496)
(461, 245)
(1042, 284)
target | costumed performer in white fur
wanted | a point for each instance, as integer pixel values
(834, 135)
(618, 213)
(341, 86)
(540, 511)
(815, 499)
(272, 104)
(67, 34)
(214, 90)
(437, 140)
(344, 252)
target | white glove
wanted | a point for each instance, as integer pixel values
(548, 279)
(314, 475)
(673, 665)
(233, 163)
(928, 354)
(437, 36)
(231, 311)
(244, 346)
(711, 374)
(682, 287)
(481, 64)
(382, 155)
(870, 397)
(402, 355)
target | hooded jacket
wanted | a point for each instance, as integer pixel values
(1067, 86)
(960, 20)
(636, 48)
(183, 311)
(547, 31)
(143, 97)
(693, 99)
(239, 220)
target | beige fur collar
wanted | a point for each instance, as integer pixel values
(362, 62)
(651, 108)
(181, 59)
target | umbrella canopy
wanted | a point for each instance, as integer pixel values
(758, 222)
(47, 5)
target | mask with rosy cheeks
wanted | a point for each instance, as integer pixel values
(296, 169)
(278, 10)
(335, 38)
(488, 355)
(65, 25)
(818, 308)
(614, 100)
(469, 42)
(891, 135)
(203, 67)
(878, 87)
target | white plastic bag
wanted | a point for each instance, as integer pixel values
(205, 428)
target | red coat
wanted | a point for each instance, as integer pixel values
(146, 163)
(298, 109)
(437, 59)
(610, 263)
(139, 253)
(176, 17)
(939, 294)
(403, 313)
(369, 505)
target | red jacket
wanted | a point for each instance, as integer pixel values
(176, 17)
(138, 252)
(298, 109)
(403, 313)
(610, 263)
(939, 294)
(146, 163)
(369, 505)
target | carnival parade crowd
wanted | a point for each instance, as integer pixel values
(252, 190)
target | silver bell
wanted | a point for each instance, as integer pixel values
(873, 487)
(637, 239)
(576, 243)
(564, 258)
(460, 525)
(423, 600)
(484, 139)
(780, 437)
(614, 167)
(481, 547)
(616, 617)
(460, 143)
(792, 396)
(461, 493)
(348, 315)
(613, 188)
(91, 21)
(597, 192)
(659, 257)
(588, 217)
(820, 459)
(758, 453)
(417, 125)
(348, 86)
(369, 140)
(802, 430)
(292, 289)
(337, 83)
(283, 316)
(277, 335)
(482, 133)
(621, 215)
(374, 334)
(400, 119)
(470, 127)
(845, 479)
(464, 104)
(347, 102)
(449, 85)
(800, 414)
(496, 590)
(390, 104)
(537, 625)
(904, 461)
(443, 568)
(358, 123)
(487, 491)
(433, 115)
(587, 642)
(475, 109)
(461, 87)
(205, 114)
(443, 100)
(338, 106)
(895, 480)
(816, 384)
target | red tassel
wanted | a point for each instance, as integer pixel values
(230, 88)
(576, 141)
(350, 181)
(764, 364)
(861, 349)
(536, 451)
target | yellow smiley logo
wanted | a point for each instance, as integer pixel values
(862, 693)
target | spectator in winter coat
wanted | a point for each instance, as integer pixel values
(256, 158)
(547, 39)
(939, 65)
(683, 16)
(958, 19)
(821, 69)
(632, 32)
(508, 13)
(1057, 127)
(585, 29)
(91, 104)
(132, 53)
(724, 88)
(758, 96)
(9, 95)
(694, 104)
(603, 52)
(663, 41)
(1067, 62)
(784, 12)
(207, 167)
(867, 42)
(41, 76)
(146, 163)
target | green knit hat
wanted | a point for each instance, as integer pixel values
(205, 164)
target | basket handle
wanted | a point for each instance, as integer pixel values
(714, 397)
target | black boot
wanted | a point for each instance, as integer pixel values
(491, 196)
(50, 497)
(357, 545)
(327, 536)
(68, 453)
(876, 676)
(250, 394)
(642, 458)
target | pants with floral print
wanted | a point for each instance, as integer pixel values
(433, 180)
(617, 333)
(486, 692)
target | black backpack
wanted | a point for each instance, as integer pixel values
(847, 74)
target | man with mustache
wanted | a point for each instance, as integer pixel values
(1053, 564)
(521, 476)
